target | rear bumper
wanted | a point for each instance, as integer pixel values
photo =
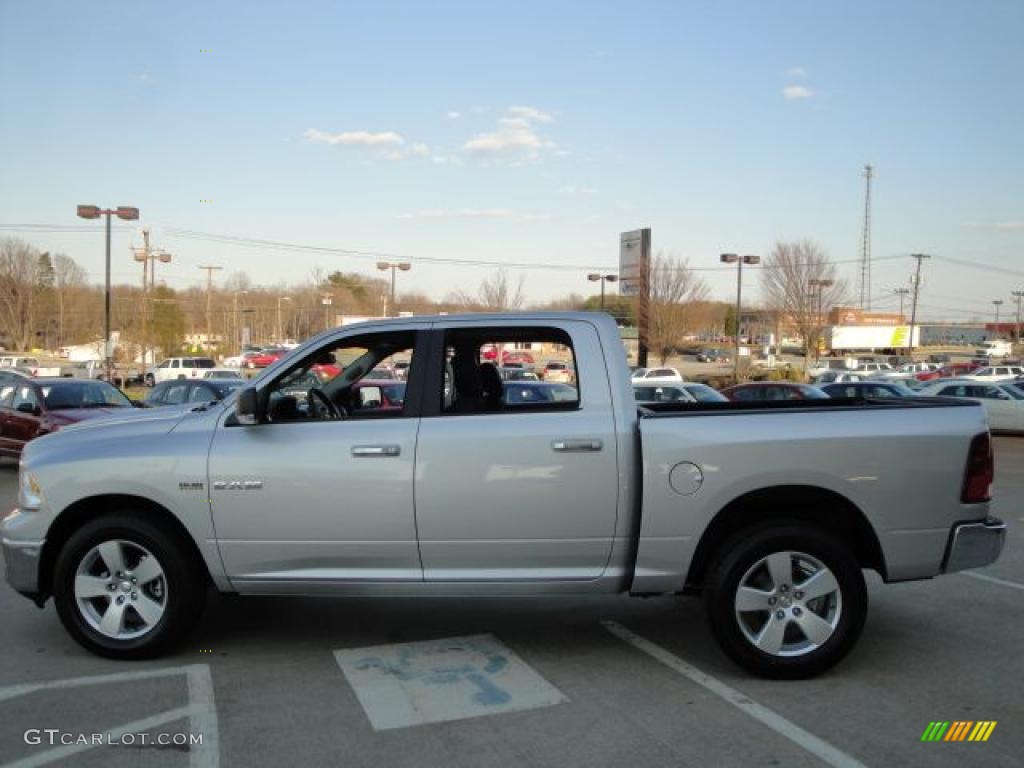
(973, 545)
(21, 561)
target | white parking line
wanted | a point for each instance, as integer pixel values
(779, 724)
(992, 579)
(201, 712)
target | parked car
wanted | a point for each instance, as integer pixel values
(517, 374)
(712, 356)
(995, 373)
(178, 368)
(532, 392)
(827, 364)
(656, 374)
(837, 376)
(1003, 400)
(401, 369)
(266, 357)
(680, 392)
(30, 408)
(867, 389)
(557, 371)
(950, 371)
(873, 368)
(181, 391)
(907, 371)
(754, 508)
(380, 395)
(222, 373)
(756, 391)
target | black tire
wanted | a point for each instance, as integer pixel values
(185, 584)
(734, 561)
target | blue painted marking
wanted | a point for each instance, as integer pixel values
(489, 693)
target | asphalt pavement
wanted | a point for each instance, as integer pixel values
(584, 681)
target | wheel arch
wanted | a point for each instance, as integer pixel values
(821, 507)
(77, 514)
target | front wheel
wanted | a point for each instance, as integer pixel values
(127, 588)
(786, 601)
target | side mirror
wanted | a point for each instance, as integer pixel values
(247, 407)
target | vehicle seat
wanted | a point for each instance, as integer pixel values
(493, 387)
(285, 409)
(468, 387)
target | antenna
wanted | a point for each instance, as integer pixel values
(865, 244)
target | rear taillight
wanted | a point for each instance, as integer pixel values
(980, 471)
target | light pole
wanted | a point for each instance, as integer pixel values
(594, 277)
(383, 266)
(997, 303)
(326, 299)
(917, 285)
(279, 300)
(818, 287)
(1018, 295)
(902, 293)
(739, 261)
(237, 320)
(125, 213)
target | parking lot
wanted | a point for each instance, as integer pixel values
(589, 681)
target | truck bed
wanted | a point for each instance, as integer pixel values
(663, 410)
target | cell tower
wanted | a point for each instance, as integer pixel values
(865, 244)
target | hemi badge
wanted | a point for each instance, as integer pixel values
(238, 485)
(190, 486)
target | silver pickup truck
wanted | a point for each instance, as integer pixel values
(326, 477)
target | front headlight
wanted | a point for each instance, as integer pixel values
(30, 495)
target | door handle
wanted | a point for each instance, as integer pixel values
(376, 451)
(576, 446)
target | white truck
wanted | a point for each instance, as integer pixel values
(888, 339)
(995, 348)
(299, 486)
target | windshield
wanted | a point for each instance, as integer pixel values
(83, 394)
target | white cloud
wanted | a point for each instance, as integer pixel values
(474, 213)
(531, 113)
(797, 93)
(454, 115)
(796, 72)
(516, 136)
(356, 138)
(1008, 225)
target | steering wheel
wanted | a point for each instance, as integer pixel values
(320, 403)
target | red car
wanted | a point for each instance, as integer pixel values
(760, 391)
(949, 371)
(381, 395)
(29, 409)
(266, 357)
(508, 356)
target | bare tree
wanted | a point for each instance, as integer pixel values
(68, 278)
(19, 289)
(496, 294)
(677, 303)
(788, 291)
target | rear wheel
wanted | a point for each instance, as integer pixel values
(126, 588)
(786, 600)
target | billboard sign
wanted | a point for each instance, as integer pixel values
(632, 261)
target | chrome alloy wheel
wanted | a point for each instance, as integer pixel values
(788, 604)
(120, 589)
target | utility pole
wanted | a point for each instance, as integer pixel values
(1018, 295)
(902, 293)
(818, 286)
(209, 296)
(917, 286)
(865, 243)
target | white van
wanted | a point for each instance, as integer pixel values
(995, 348)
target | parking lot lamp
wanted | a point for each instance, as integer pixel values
(739, 261)
(125, 213)
(594, 277)
(1017, 295)
(279, 300)
(383, 266)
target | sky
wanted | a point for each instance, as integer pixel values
(522, 133)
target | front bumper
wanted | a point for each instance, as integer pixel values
(973, 545)
(21, 560)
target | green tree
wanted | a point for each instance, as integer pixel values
(622, 308)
